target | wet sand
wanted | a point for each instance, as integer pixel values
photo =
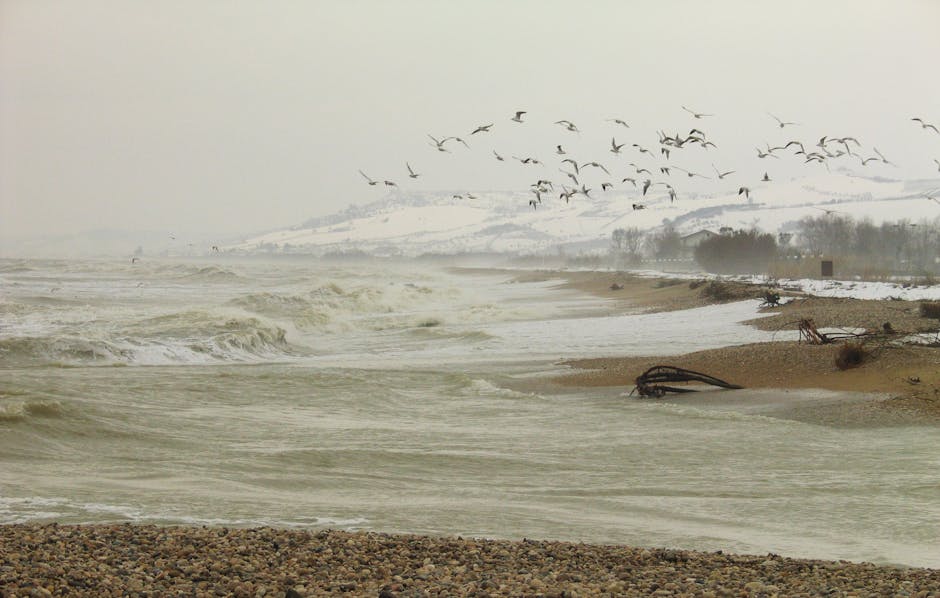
(905, 378)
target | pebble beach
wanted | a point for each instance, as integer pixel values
(141, 560)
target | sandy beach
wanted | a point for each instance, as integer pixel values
(142, 560)
(907, 377)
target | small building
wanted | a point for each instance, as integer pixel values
(691, 241)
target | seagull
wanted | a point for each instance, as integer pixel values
(482, 129)
(498, 157)
(606, 186)
(573, 163)
(567, 193)
(865, 161)
(802, 150)
(926, 125)
(722, 175)
(596, 165)
(518, 117)
(763, 154)
(782, 123)
(618, 121)
(638, 169)
(938, 164)
(370, 181)
(883, 159)
(457, 139)
(527, 160)
(573, 178)
(696, 114)
(639, 206)
(471, 196)
(664, 170)
(766, 178)
(439, 143)
(931, 198)
(584, 191)
(411, 173)
(689, 173)
(560, 151)
(641, 149)
(215, 248)
(568, 125)
(533, 203)
(646, 185)
(664, 151)
(629, 180)
(828, 212)
(390, 183)
(134, 260)
(457, 196)
(746, 191)
(672, 195)
(614, 148)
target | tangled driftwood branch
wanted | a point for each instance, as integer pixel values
(650, 382)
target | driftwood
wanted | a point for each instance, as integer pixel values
(813, 336)
(650, 382)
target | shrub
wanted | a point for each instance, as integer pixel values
(740, 252)
(850, 355)
(930, 309)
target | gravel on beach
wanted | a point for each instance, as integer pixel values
(146, 560)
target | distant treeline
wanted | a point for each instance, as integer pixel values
(856, 246)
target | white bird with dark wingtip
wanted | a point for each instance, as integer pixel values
(498, 157)
(439, 143)
(390, 183)
(596, 165)
(482, 129)
(560, 151)
(518, 117)
(619, 121)
(925, 125)
(746, 191)
(766, 178)
(614, 147)
(411, 173)
(781, 122)
(883, 159)
(568, 125)
(938, 164)
(696, 114)
(722, 175)
(369, 180)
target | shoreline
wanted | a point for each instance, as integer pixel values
(903, 380)
(114, 560)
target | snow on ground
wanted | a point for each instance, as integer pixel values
(902, 290)
(412, 224)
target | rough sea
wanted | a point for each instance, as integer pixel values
(408, 397)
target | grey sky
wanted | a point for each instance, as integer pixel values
(236, 117)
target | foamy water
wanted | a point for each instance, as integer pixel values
(387, 397)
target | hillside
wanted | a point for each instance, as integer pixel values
(411, 224)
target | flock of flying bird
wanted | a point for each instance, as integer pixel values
(826, 150)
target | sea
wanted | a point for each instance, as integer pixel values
(415, 397)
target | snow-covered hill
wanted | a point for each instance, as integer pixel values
(503, 222)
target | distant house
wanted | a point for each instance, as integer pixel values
(690, 242)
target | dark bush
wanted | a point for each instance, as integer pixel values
(930, 309)
(850, 355)
(740, 252)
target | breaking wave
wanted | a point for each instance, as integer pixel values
(184, 338)
(15, 409)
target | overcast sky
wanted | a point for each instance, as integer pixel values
(236, 117)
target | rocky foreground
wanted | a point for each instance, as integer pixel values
(133, 560)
